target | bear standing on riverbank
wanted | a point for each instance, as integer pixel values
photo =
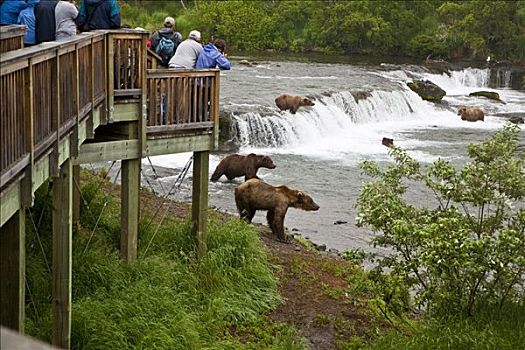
(292, 102)
(236, 165)
(256, 195)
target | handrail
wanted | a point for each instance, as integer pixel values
(182, 100)
(49, 90)
(12, 37)
(45, 91)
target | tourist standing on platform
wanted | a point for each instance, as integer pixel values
(27, 18)
(65, 14)
(166, 40)
(213, 56)
(186, 55)
(45, 24)
(10, 10)
(98, 14)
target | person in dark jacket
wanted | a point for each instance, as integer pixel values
(45, 25)
(9, 11)
(169, 33)
(98, 14)
(27, 18)
(213, 56)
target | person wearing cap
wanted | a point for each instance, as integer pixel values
(187, 52)
(167, 32)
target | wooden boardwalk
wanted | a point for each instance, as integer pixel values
(90, 99)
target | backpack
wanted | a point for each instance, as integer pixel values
(165, 49)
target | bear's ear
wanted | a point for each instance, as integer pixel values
(300, 196)
(252, 155)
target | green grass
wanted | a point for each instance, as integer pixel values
(492, 329)
(167, 299)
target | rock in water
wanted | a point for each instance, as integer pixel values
(427, 90)
(488, 94)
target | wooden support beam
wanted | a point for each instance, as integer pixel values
(129, 212)
(62, 234)
(12, 272)
(76, 194)
(199, 205)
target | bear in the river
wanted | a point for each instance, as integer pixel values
(471, 114)
(292, 102)
(236, 165)
(255, 194)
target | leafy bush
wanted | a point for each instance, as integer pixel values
(469, 250)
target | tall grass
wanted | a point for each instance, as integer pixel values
(167, 299)
(492, 329)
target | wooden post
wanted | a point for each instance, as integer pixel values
(129, 211)
(62, 233)
(199, 205)
(76, 194)
(12, 272)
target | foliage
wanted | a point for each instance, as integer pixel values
(467, 252)
(167, 299)
(440, 28)
(493, 329)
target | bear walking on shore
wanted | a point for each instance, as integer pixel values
(236, 165)
(255, 194)
(292, 102)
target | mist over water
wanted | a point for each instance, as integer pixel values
(319, 149)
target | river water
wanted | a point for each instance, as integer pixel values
(319, 149)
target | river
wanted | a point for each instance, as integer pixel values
(319, 149)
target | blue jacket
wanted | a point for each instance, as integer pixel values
(27, 18)
(98, 14)
(210, 57)
(9, 11)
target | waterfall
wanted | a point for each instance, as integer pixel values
(469, 78)
(332, 115)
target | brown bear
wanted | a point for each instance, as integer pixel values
(256, 195)
(236, 165)
(292, 102)
(387, 142)
(471, 114)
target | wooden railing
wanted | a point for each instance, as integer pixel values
(11, 37)
(45, 91)
(182, 100)
(48, 90)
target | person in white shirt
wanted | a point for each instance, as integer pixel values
(187, 52)
(65, 15)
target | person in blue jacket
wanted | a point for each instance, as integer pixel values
(213, 56)
(98, 14)
(9, 11)
(27, 18)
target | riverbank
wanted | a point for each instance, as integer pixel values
(249, 292)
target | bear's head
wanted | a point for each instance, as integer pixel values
(262, 161)
(462, 110)
(305, 101)
(305, 202)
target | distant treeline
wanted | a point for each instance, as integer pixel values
(471, 29)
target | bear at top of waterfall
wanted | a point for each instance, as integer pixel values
(292, 102)
(236, 165)
(255, 194)
(471, 114)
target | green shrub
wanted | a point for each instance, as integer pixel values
(467, 252)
